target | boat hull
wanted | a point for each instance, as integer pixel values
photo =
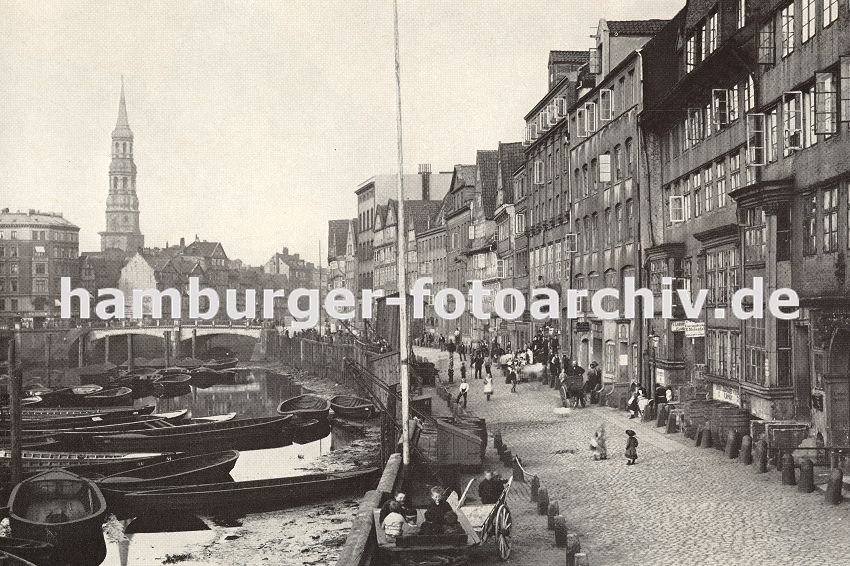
(253, 496)
(346, 408)
(78, 538)
(306, 407)
(246, 434)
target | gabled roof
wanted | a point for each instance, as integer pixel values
(419, 215)
(203, 248)
(639, 28)
(487, 164)
(337, 237)
(573, 57)
(462, 176)
(511, 158)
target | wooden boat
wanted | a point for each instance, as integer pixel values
(141, 384)
(202, 468)
(32, 400)
(104, 463)
(306, 406)
(252, 496)
(205, 377)
(64, 509)
(171, 370)
(241, 434)
(42, 413)
(213, 418)
(8, 559)
(112, 397)
(76, 440)
(36, 390)
(310, 430)
(349, 407)
(224, 363)
(171, 385)
(68, 396)
(35, 551)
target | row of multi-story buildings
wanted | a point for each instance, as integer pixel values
(38, 248)
(710, 148)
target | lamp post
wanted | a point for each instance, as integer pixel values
(653, 346)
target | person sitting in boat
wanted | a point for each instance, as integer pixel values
(489, 489)
(438, 504)
(393, 523)
(433, 523)
(451, 526)
(407, 510)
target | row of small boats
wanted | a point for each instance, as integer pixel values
(316, 407)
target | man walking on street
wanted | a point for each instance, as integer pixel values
(478, 362)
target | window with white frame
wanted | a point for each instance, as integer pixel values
(750, 94)
(595, 61)
(606, 104)
(734, 171)
(690, 53)
(590, 122)
(767, 43)
(605, 168)
(786, 22)
(755, 235)
(754, 350)
(808, 17)
(686, 198)
(581, 123)
(538, 172)
(519, 221)
(711, 34)
(696, 183)
(810, 138)
(792, 120)
(708, 191)
(677, 209)
(756, 140)
(720, 107)
(772, 138)
(830, 12)
(826, 104)
(845, 89)
(720, 175)
(732, 102)
(829, 198)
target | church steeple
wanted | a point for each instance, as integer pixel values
(122, 126)
(122, 204)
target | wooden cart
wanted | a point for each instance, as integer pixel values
(481, 523)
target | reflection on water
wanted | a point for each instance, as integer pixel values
(256, 393)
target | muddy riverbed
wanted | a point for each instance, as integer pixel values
(304, 536)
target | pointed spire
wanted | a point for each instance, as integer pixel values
(122, 126)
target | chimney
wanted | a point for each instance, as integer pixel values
(285, 251)
(425, 173)
(182, 242)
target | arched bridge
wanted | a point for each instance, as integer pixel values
(177, 333)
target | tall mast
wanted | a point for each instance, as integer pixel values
(401, 245)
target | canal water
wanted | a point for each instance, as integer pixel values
(256, 393)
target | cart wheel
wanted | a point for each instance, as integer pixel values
(504, 520)
(504, 550)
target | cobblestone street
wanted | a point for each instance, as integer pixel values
(679, 505)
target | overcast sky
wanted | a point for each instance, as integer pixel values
(255, 121)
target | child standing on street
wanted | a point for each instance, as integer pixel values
(631, 447)
(488, 386)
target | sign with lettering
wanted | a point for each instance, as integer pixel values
(660, 376)
(694, 329)
(582, 326)
(678, 325)
(725, 393)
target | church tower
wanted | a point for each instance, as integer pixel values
(122, 204)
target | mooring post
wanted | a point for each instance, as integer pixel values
(807, 476)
